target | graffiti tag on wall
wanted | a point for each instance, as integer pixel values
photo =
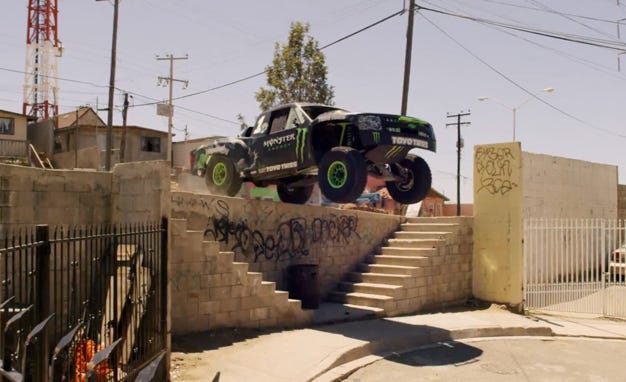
(495, 169)
(291, 238)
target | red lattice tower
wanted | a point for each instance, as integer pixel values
(42, 50)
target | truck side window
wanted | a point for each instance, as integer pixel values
(279, 119)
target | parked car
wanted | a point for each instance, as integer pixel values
(617, 262)
(295, 145)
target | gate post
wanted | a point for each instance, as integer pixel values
(165, 293)
(42, 298)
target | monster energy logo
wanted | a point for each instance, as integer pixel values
(300, 142)
(376, 136)
(393, 151)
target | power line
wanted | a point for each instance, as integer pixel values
(590, 64)
(549, 11)
(265, 71)
(601, 43)
(567, 17)
(518, 85)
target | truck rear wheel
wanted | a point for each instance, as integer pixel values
(221, 176)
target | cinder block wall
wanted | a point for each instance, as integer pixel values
(511, 186)
(271, 236)
(132, 192)
(451, 280)
(210, 290)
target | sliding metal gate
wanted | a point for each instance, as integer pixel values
(575, 265)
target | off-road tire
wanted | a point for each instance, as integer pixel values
(342, 174)
(416, 183)
(294, 195)
(221, 177)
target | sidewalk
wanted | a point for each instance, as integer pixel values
(327, 352)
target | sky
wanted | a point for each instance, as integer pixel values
(455, 62)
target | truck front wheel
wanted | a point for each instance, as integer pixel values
(414, 180)
(342, 174)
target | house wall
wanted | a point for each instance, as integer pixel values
(271, 236)
(132, 192)
(511, 186)
(557, 187)
(133, 146)
(19, 127)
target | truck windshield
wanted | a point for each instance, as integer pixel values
(314, 111)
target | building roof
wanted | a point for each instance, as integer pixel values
(13, 113)
(116, 128)
(70, 118)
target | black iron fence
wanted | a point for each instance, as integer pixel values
(83, 303)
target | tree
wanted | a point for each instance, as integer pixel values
(297, 73)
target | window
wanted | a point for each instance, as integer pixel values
(279, 119)
(261, 126)
(151, 144)
(7, 126)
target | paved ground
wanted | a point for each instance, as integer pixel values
(504, 359)
(330, 352)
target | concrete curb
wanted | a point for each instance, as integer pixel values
(345, 361)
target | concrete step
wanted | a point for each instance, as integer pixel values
(414, 261)
(435, 219)
(372, 288)
(429, 227)
(415, 243)
(363, 299)
(378, 278)
(390, 269)
(400, 251)
(376, 312)
(416, 235)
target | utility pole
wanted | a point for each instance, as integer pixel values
(109, 141)
(407, 58)
(124, 120)
(459, 146)
(168, 81)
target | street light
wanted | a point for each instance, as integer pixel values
(514, 109)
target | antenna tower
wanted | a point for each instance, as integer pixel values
(42, 50)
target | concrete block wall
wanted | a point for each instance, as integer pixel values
(132, 192)
(621, 201)
(512, 186)
(210, 290)
(555, 187)
(451, 278)
(271, 236)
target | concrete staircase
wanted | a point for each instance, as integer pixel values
(210, 290)
(406, 275)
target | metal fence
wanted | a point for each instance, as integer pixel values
(74, 295)
(575, 265)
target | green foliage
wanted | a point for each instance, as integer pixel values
(298, 72)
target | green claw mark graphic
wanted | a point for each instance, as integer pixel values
(376, 136)
(343, 132)
(300, 142)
